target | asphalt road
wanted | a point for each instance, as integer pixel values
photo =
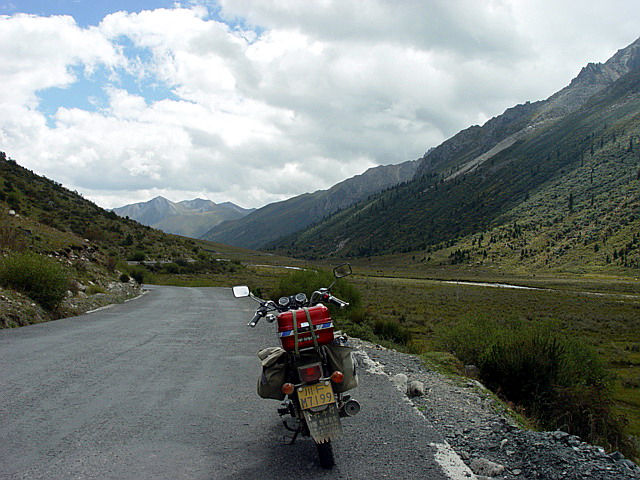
(163, 387)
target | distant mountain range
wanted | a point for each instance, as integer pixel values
(542, 179)
(190, 218)
(539, 180)
(280, 219)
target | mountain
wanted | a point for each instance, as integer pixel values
(476, 144)
(278, 219)
(189, 218)
(540, 181)
(46, 217)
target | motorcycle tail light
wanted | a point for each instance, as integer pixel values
(310, 373)
(337, 377)
(288, 388)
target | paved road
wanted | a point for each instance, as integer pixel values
(163, 387)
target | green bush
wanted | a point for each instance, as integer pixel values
(557, 380)
(308, 281)
(137, 274)
(93, 289)
(137, 256)
(41, 278)
(124, 278)
(392, 331)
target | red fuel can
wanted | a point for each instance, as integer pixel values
(320, 322)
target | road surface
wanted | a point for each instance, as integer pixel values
(163, 387)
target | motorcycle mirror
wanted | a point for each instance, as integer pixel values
(343, 270)
(241, 291)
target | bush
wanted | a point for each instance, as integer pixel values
(41, 278)
(557, 380)
(309, 280)
(137, 256)
(124, 278)
(392, 331)
(137, 274)
(11, 239)
(93, 289)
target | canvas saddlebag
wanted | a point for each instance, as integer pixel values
(274, 372)
(340, 357)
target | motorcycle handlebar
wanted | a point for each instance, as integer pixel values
(338, 302)
(255, 319)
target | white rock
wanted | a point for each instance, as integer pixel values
(401, 381)
(482, 466)
(415, 388)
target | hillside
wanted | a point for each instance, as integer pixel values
(189, 218)
(48, 232)
(284, 218)
(555, 193)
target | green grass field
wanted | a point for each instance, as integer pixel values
(609, 322)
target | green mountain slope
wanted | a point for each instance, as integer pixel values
(51, 218)
(576, 176)
(279, 219)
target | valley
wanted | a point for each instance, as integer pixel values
(545, 196)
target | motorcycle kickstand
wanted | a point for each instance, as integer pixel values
(290, 440)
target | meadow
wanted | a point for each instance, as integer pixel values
(608, 322)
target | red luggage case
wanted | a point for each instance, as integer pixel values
(322, 324)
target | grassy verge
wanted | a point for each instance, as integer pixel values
(608, 324)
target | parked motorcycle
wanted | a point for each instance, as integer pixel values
(312, 369)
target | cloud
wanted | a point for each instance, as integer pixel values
(253, 102)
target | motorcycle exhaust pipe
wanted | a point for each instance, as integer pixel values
(351, 408)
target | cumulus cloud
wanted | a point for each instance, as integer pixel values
(253, 102)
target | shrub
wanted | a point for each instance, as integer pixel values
(392, 331)
(93, 289)
(10, 239)
(171, 268)
(124, 278)
(309, 280)
(183, 262)
(137, 274)
(41, 278)
(137, 256)
(555, 379)
(111, 263)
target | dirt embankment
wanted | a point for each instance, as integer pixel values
(17, 310)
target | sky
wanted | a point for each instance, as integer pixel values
(256, 101)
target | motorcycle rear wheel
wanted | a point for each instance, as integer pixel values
(325, 454)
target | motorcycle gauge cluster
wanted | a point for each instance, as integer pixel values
(301, 298)
(283, 301)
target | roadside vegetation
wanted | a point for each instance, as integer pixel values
(564, 358)
(41, 278)
(554, 379)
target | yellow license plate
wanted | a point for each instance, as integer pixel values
(315, 395)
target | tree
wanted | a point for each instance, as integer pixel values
(571, 202)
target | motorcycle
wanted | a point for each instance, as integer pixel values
(312, 369)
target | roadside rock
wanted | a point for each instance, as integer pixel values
(415, 388)
(482, 466)
(401, 382)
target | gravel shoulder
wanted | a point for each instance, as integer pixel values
(481, 432)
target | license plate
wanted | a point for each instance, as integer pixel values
(315, 395)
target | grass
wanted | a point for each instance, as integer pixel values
(609, 324)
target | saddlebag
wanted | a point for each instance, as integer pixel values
(340, 357)
(274, 372)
